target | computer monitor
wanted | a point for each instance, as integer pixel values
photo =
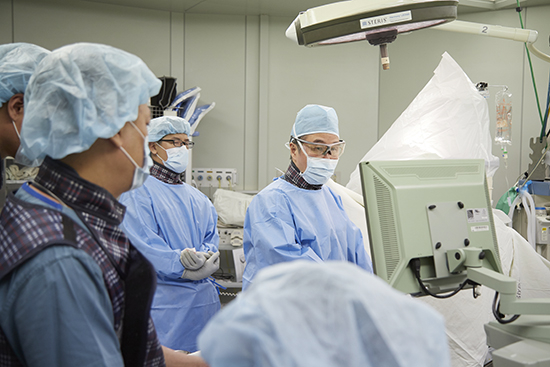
(418, 211)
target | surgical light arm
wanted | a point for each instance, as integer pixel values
(527, 36)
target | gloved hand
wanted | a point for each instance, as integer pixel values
(193, 260)
(209, 267)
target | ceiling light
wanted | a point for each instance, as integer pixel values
(378, 22)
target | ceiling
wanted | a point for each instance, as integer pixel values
(289, 8)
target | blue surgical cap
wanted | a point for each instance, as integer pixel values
(17, 63)
(328, 314)
(166, 125)
(79, 93)
(313, 119)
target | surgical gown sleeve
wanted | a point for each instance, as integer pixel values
(269, 233)
(211, 239)
(140, 225)
(356, 250)
(56, 311)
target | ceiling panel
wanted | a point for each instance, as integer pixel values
(289, 8)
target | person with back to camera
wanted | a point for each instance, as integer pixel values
(174, 226)
(330, 314)
(73, 290)
(298, 216)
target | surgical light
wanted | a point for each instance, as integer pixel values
(378, 22)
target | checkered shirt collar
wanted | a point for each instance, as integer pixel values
(79, 194)
(166, 175)
(293, 176)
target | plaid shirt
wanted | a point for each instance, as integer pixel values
(166, 175)
(294, 176)
(27, 229)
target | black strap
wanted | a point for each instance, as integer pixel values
(140, 284)
(68, 229)
(139, 287)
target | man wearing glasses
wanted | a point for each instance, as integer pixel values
(175, 226)
(297, 216)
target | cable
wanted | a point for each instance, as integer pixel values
(545, 122)
(498, 316)
(415, 266)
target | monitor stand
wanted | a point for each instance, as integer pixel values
(524, 342)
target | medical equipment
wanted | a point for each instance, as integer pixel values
(431, 230)
(232, 262)
(503, 134)
(208, 180)
(503, 101)
(531, 220)
(166, 94)
(378, 22)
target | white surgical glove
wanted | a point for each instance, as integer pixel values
(209, 267)
(193, 260)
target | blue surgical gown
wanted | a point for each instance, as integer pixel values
(285, 223)
(161, 220)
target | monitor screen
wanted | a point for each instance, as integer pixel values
(418, 211)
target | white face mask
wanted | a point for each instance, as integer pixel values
(178, 158)
(20, 158)
(319, 170)
(140, 173)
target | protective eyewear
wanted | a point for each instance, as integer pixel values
(335, 150)
(178, 143)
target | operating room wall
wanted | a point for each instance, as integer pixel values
(414, 57)
(259, 79)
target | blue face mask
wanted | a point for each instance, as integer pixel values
(20, 158)
(178, 158)
(319, 170)
(140, 173)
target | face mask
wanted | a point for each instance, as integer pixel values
(140, 173)
(178, 158)
(319, 170)
(20, 158)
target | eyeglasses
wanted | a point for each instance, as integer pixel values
(178, 143)
(335, 150)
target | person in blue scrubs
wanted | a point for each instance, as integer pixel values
(175, 226)
(297, 217)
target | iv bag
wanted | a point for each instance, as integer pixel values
(503, 101)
